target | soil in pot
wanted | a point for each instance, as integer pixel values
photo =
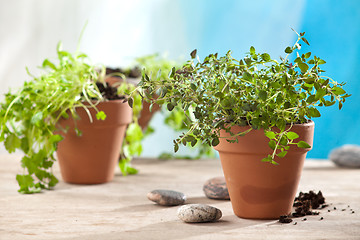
(108, 92)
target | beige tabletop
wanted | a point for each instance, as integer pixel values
(121, 210)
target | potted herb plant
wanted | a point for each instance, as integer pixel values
(256, 113)
(68, 109)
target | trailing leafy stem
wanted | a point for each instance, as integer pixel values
(256, 91)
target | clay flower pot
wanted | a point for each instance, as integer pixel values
(92, 157)
(261, 190)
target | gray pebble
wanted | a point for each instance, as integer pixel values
(215, 188)
(167, 197)
(198, 213)
(346, 156)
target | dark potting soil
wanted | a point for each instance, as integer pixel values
(304, 205)
(108, 92)
(131, 73)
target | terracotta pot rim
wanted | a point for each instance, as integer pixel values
(104, 101)
(308, 123)
(256, 139)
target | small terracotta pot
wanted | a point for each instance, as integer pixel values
(92, 157)
(260, 190)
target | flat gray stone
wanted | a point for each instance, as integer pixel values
(198, 213)
(215, 188)
(167, 197)
(346, 156)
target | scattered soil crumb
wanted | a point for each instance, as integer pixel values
(305, 202)
(285, 219)
(304, 205)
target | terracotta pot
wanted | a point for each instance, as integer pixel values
(92, 157)
(260, 190)
(145, 114)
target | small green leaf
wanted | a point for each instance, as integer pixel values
(311, 61)
(265, 57)
(272, 144)
(321, 92)
(100, 115)
(215, 142)
(247, 76)
(193, 86)
(252, 50)
(267, 159)
(303, 67)
(47, 63)
(172, 72)
(302, 144)
(247, 60)
(263, 95)
(321, 61)
(270, 134)
(305, 41)
(78, 132)
(340, 105)
(131, 102)
(338, 91)
(176, 147)
(36, 118)
(307, 55)
(311, 99)
(274, 162)
(281, 124)
(282, 154)
(288, 50)
(12, 142)
(25, 182)
(170, 106)
(292, 135)
(193, 54)
(313, 112)
(55, 138)
(309, 80)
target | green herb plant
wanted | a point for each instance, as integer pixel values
(28, 118)
(257, 91)
(159, 67)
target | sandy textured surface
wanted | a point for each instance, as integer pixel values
(121, 210)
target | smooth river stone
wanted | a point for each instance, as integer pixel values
(346, 156)
(215, 188)
(198, 213)
(167, 197)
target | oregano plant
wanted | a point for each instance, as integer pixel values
(256, 91)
